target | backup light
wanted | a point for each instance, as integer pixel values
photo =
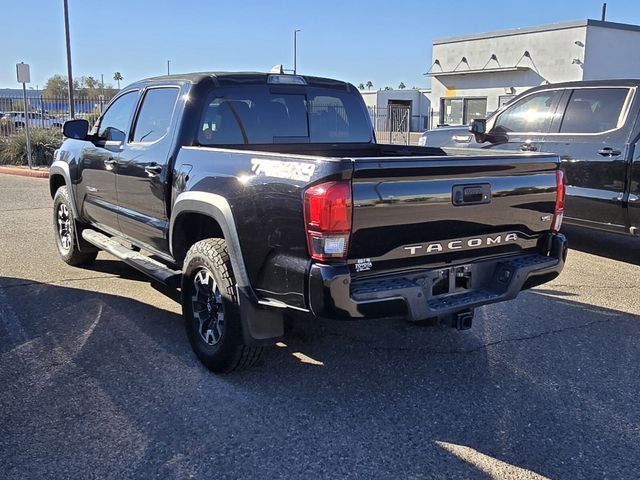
(327, 215)
(558, 212)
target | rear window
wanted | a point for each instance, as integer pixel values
(265, 114)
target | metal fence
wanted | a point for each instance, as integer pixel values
(396, 124)
(45, 112)
(392, 124)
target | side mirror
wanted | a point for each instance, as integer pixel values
(479, 128)
(77, 129)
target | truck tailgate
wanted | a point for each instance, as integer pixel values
(413, 212)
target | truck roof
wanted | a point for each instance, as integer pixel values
(619, 82)
(235, 78)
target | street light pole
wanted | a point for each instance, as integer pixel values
(168, 62)
(295, 51)
(72, 111)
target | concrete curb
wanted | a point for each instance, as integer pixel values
(25, 172)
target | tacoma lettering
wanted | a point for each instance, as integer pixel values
(474, 242)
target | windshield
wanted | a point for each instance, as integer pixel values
(260, 114)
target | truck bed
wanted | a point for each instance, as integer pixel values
(402, 204)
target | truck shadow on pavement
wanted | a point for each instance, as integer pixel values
(105, 385)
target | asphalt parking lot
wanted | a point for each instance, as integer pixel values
(97, 379)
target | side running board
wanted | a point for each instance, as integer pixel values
(157, 271)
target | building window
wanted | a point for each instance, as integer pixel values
(452, 111)
(474, 108)
(460, 111)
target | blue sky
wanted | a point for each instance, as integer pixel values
(385, 42)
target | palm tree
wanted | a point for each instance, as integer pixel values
(361, 86)
(402, 86)
(117, 77)
(369, 84)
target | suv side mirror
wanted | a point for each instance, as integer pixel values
(77, 129)
(479, 128)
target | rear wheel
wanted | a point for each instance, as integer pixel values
(65, 231)
(211, 311)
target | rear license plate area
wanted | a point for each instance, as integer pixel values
(452, 280)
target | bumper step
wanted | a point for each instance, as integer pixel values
(462, 299)
(498, 281)
(157, 271)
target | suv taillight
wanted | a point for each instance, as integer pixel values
(558, 212)
(327, 217)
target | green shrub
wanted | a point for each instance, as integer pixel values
(91, 118)
(13, 149)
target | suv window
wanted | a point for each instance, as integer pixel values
(531, 114)
(155, 114)
(116, 120)
(264, 115)
(593, 110)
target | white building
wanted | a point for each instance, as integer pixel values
(473, 75)
(379, 101)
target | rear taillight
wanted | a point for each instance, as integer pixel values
(558, 212)
(327, 217)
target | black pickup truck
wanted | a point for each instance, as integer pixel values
(249, 196)
(593, 126)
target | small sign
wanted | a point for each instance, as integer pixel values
(24, 75)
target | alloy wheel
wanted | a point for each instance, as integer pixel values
(207, 307)
(64, 227)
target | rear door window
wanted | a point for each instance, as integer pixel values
(155, 114)
(594, 110)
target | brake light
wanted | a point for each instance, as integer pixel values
(327, 216)
(558, 212)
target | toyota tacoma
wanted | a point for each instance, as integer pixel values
(251, 196)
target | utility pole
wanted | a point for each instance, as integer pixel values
(295, 51)
(168, 62)
(101, 99)
(72, 111)
(604, 12)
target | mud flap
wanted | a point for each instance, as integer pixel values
(260, 325)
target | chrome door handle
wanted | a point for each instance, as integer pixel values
(528, 147)
(609, 152)
(153, 170)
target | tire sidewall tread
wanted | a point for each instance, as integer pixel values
(230, 353)
(74, 256)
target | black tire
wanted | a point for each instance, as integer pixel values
(211, 311)
(65, 229)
